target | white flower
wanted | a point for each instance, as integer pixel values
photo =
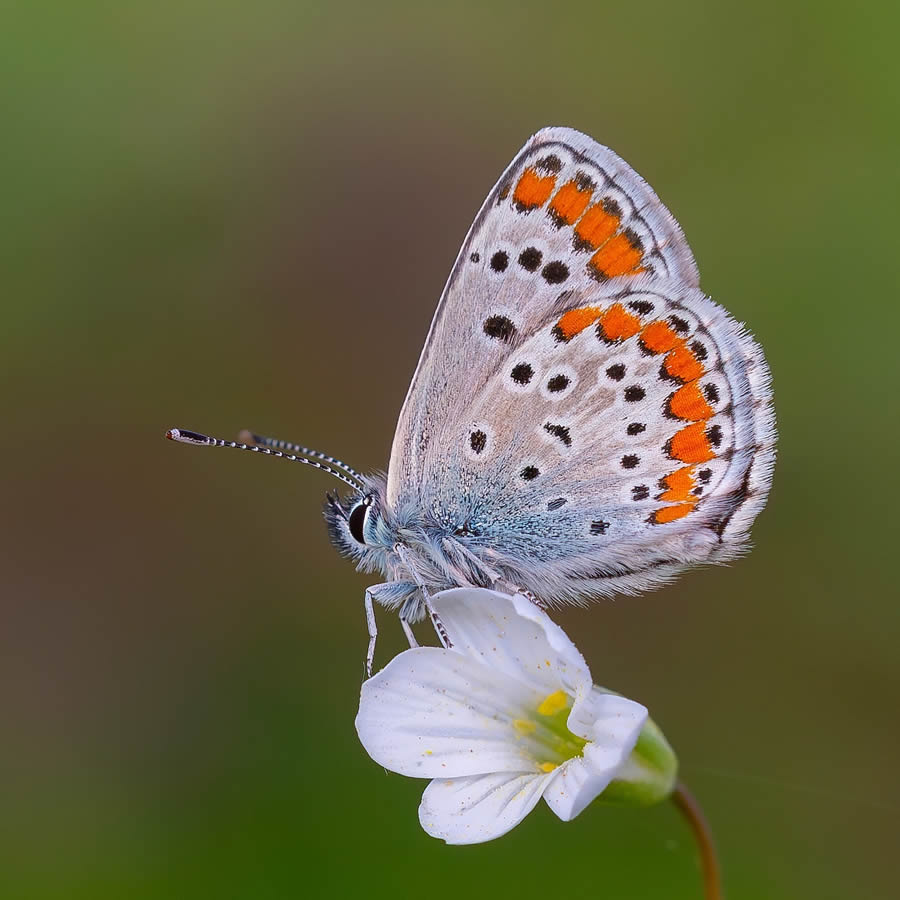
(505, 717)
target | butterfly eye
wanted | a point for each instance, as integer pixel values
(357, 519)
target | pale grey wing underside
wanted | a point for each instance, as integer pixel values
(457, 357)
(583, 466)
(582, 413)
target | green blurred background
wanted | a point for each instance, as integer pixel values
(181, 650)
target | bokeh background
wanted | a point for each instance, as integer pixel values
(219, 215)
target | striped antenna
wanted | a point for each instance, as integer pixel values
(192, 437)
(250, 437)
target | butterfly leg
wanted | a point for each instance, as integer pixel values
(465, 566)
(535, 600)
(509, 588)
(401, 551)
(373, 633)
(438, 624)
(393, 595)
(407, 630)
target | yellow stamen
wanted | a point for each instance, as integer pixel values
(553, 703)
(547, 766)
(524, 726)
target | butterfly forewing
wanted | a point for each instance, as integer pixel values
(588, 415)
(566, 219)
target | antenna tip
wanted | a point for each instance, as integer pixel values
(187, 437)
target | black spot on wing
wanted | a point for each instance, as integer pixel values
(499, 261)
(557, 383)
(551, 164)
(478, 441)
(584, 182)
(641, 307)
(522, 373)
(633, 238)
(530, 259)
(555, 272)
(499, 328)
(611, 207)
(559, 431)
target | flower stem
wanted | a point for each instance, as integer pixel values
(690, 809)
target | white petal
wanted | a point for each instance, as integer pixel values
(434, 713)
(573, 787)
(512, 635)
(481, 808)
(605, 718)
(614, 732)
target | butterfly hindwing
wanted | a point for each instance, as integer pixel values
(609, 456)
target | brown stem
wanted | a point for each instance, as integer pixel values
(690, 809)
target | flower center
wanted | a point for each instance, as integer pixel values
(545, 732)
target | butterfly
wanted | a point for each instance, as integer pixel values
(583, 421)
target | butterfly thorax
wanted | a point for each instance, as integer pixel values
(417, 550)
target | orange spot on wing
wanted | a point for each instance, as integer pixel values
(681, 363)
(672, 513)
(619, 324)
(533, 190)
(570, 202)
(688, 403)
(596, 226)
(618, 256)
(658, 337)
(691, 445)
(679, 485)
(576, 320)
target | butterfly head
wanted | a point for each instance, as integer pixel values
(358, 525)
